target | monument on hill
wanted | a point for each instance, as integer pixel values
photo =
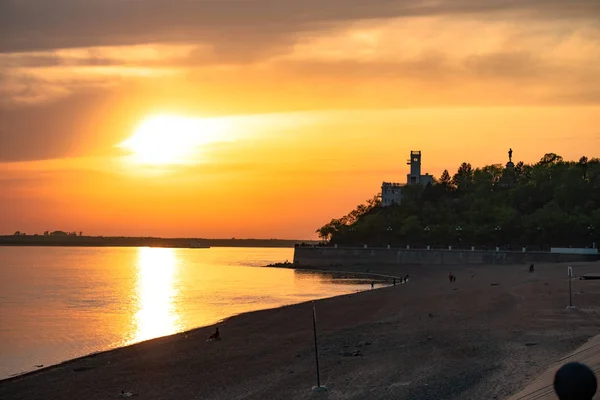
(508, 178)
(510, 164)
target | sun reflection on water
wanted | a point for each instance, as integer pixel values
(155, 294)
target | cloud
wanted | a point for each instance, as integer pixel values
(41, 25)
(76, 76)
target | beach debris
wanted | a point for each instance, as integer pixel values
(430, 315)
(355, 353)
(400, 384)
(81, 369)
(39, 366)
(494, 284)
(529, 344)
(127, 394)
(425, 340)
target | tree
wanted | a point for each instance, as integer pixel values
(327, 231)
(463, 179)
(551, 158)
(446, 180)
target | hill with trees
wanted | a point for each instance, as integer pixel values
(551, 203)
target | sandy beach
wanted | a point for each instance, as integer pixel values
(483, 337)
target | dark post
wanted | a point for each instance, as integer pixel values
(570, 271)
(316, 347)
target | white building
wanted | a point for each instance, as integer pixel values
(392, 193)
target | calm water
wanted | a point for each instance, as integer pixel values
(61, 303)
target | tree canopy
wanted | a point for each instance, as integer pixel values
(550, 203)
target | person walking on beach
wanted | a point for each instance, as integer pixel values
(372, 285)
(451, 277)
(531, 268)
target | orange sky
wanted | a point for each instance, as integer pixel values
(275, 121)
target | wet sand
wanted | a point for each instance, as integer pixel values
(483, 337)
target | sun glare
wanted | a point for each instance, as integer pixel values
(169, 139)
(157, 314)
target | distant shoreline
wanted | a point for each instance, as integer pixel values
(116, 241)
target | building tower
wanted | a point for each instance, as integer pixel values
(415, 168)
(392, 193)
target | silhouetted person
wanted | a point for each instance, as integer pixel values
(531, 268)
(394, 281)
(451, 277)
(372, 285)
(406, 278)
(215, 336)
(575, 381)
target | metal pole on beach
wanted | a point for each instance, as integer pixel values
(570, 272)
(317, 388)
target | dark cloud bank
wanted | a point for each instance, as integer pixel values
(27, 25)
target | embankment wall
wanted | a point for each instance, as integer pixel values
(329, 256)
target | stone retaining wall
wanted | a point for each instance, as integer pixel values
(327, 256)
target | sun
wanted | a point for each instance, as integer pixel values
(169, 139)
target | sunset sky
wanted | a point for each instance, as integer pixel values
(261, 118)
